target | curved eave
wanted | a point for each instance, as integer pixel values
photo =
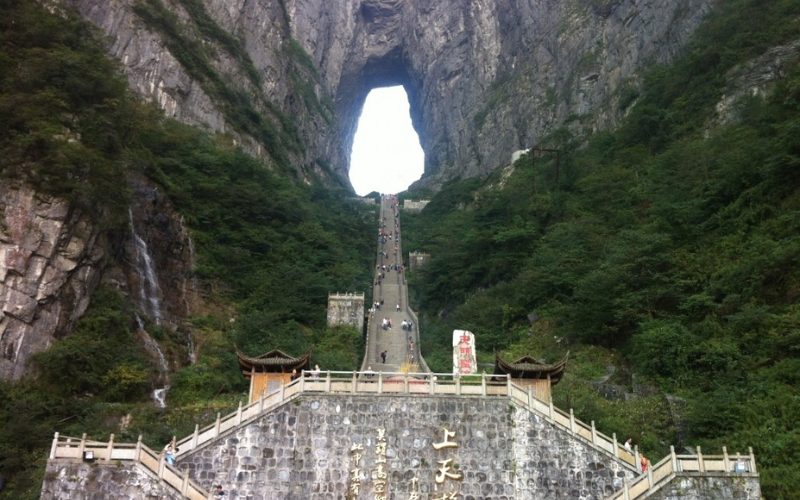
(531, 370)
(248, 364)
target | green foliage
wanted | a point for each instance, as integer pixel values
(93, 358)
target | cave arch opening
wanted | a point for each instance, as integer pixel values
(386, 155)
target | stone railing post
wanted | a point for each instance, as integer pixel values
(458, 385)
(185, 483)
(138, 454)
(636, 458)
(380, 382)
(571, 421)
(483, 384)
(552, 410)
(701, 466)
(752, 460)
(508, 385)
(261, 402)
(54, 446)
(239, 413)
(649, 476)
(594, 434)
(405, 383)
(217, 425)
(109, 447)
(161, 462)
(726, 465)
(354, 388)
(82, 445)
(625, 493)
(196, 436)
(303, 381)
(432, 382)
(530, 397)
(674, 459)
(328, 381)
(616, 446)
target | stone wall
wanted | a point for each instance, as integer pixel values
(346, 309)
(74, 480)
(303, 450)
(700, 486)
(415, 205)
(417, 259)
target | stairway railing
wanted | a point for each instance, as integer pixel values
(104, 452)
(660, 473)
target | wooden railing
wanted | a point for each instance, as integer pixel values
(672, 464)
(104, 452)
(411, 383)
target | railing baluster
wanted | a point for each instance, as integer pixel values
(138, 453)
(594, 434)
(54, 446)
(616, 445)
(571, 421)
(109, 447)
(701, 466)
(239, 413)
(725, 462)
(752, 460)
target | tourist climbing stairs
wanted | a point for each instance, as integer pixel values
(392, 328)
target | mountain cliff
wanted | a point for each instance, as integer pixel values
(484, 78)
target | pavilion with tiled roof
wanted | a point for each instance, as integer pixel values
(531, 372)
(268, 371)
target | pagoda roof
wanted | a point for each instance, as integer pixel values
(530, 367)
(275, 361)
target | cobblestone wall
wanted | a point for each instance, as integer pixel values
(701, 486)
(326, 446)
(73, 480)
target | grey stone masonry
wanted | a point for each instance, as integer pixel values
(415, 205)
(703, 485)
(74, 480)
(333, 447)
(346, 309)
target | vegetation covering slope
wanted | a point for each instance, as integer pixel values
(668, 248)
(268, 249)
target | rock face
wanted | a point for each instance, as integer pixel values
(50, 258)
(484, 78)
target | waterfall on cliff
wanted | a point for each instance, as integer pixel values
(189, 295)
(149, 291)
(159, 394)
(150, 303)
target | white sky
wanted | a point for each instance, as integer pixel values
(386, 154)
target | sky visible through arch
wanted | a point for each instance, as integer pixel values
(386, 154)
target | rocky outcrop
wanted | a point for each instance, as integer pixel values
(50, 261)
(754, 78)
(484, 78)
(52, 257)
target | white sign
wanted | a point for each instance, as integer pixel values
(464, 362)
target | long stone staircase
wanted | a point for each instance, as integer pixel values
(390, 291)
